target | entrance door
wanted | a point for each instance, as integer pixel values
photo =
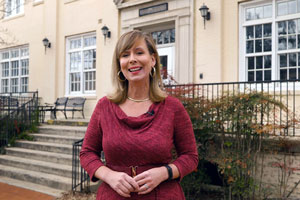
(166, 55)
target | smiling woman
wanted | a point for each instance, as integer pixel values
(137, 127)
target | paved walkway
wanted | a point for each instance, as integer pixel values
(9, 192)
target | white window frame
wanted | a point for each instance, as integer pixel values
(20, 76)
(274, 20)
(81, 70)
(14, 8)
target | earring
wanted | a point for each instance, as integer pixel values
(153, 74)
(122, 80)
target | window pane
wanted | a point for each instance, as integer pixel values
(250, 14)
(249, 32)
(283, 60)
(15, 68)
(5, 55)
(267, 45)
(282, 9)
(258, 75)
(89, 79)
(292, 42)
(159, 37)
(250, 76)
(75, 82)
(298, 41)
(75, 43)
(251, 63)
(291, 26)
(267, 62)
(14, 53)
(89, 59)
(292, 74)
(167, 37)
(75, 61)
(292, 7)
(24, 52)
(4, 85)
(283, 74)
(258, 31)
(282, 43)
(258, 46)
(249, 46)
(5, 69)
(267, 30)
(267, 75)
(24, 84)
(24, 67)
(268, 11)
(259, 13)
(298, 59)
(259, 62)
(292, 59)
(172, 35)
(89, 41)
(14, 85)
(282, 28)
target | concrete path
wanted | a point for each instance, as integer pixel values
(9, 192)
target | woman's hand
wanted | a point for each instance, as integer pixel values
(122, 183)
(151, 178)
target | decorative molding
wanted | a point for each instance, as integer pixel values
(118, 2)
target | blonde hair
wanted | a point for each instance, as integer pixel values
(125, 42)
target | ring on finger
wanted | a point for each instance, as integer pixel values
(147, 187)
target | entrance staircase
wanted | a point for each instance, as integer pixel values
(45, 164)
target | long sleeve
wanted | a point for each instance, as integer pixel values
(92, 145)
(184, 141)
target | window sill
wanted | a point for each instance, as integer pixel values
(87, 96)
(69, 1)
(13, 17)
(38, 3)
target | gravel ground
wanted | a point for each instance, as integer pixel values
(77, 196)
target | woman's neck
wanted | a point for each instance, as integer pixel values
(138, 91)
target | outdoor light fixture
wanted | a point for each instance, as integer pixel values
(205, 13)
(46, 43)
(105, 32)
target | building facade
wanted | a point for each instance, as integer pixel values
(243, 41)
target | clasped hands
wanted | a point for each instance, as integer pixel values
(143, 183)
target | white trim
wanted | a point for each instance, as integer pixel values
(81, 92)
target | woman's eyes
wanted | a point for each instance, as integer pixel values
(124, 55)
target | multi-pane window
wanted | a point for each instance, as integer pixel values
(81, 64)
(13, 7)
(271, 44)
(164, 36)
(14, 71)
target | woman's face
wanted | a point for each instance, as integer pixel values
(136, 62)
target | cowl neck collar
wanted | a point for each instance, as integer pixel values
(139, 122)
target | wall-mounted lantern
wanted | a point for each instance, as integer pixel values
(205, 13)
(46, 43)
(105, 32)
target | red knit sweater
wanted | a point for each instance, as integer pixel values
(144, 141)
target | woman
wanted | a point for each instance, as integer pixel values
(137, 127)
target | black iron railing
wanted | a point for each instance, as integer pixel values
(287, 93)
(80, 178)
(18, 112)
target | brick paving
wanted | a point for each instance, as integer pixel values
(9, 192)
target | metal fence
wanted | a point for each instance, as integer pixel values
(80, 178)
(18, 112)
(285, 93)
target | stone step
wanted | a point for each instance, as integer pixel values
(58, 139)
(63, 130)
(32, 186)
(69, 122)
(52, 157)
(38, 166)
(45, 146)
(49, 180)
